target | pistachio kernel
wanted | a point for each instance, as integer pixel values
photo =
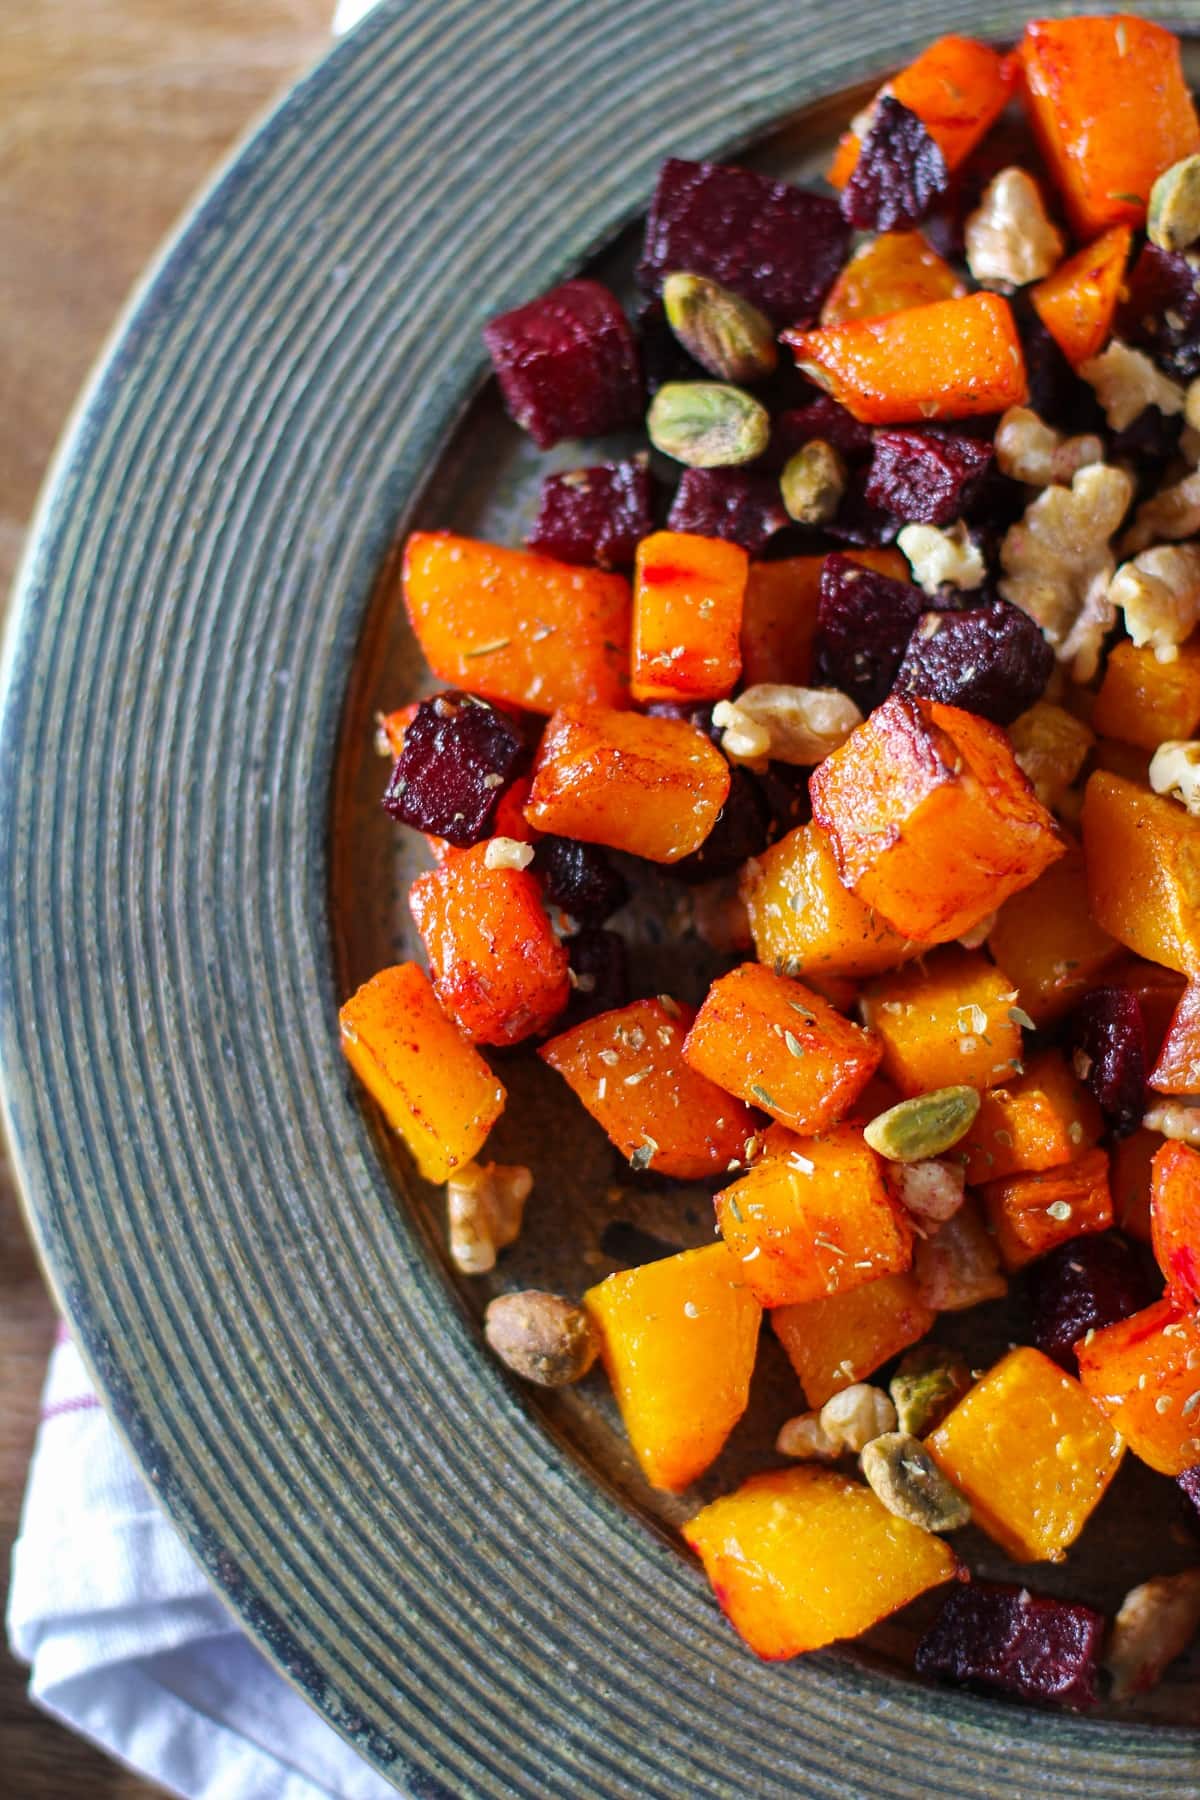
(900, 1472)
(1173, 218)
(812, 483)
(541, 1337)
(857, 1414)
(707, 424)
(724, 333)
(923, 1126)
(928, 1383)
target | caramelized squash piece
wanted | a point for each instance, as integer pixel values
(687, 616)
(1144, 701)
(1177, 1070)
(779, 616)
(1078, 301)
(1033, 1454)
(957, 87)
(678, 1340)
(945, 1023)
(431, 1083)
(778, 1045)
(650, 786)
(814, 1218)
(1143, 866)
(832, 1343)
(1175, 1219)
(1033, 1213)
(800, 1557)
(1158, 992)
(931, 821)
(628, 1069)
(1046, 939)
(896, 270)
(1039, 1119)
(805, 920)
(1144, 1372)
(515, 626)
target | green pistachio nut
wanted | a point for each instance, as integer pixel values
(707, 425)
(924, 1126)
(928, 1383)
(900, 1472)
(812, 483)
(1173, 218)
(724, 333)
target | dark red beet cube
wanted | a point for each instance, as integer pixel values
(1056, 393)
(1161, 310)
(926, 477)
(823, 418)
(1107, 1034)
(458, 756)
(784, 788)
(599, 965)
(740, 832)
(567, 363)
(772, 243)
(595, 516)
(992, 660)
(1189, 1481)
(899, 174)
(864, 621)
(995, 1636)
(1084, 1285)
(858, 521)
(742, 505)
(579, 878)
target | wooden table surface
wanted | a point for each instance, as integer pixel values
(114, 112)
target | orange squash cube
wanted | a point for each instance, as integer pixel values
(945, 1023)
(780, 1046)
(779, 616)
(1039, 1119)
(678, 1340)
(951, 359)
(515, 626)
(1033, 1454)
(1157, 991)
(1129, 1182)
(806, 921)
(1077, 302)
(1177, 1070)
(832, 1343)
(1175, 1219)
(896, 270)
(628, 1069)
(498, 968)
(1144, 1372)
(800, 1557)
(1143, 867)
(1033, 1213)
(1110, 109)
(1045, 938)
(650, 786)
(431, 1083)
(814, 1218)
(957, 87)
(1144, 701)
(687, 616)
(932, 822)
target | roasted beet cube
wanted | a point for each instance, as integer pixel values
(772, 243)
(599, 975)
(1056, 393)
(926, 477)
(1161, 310)
(1189, 1481)
(823, 418)
(579, 878)
(596, 516)
(858, 521)
(899, 174)
(1007, 1639)
(742, 505)
(458, 756)
(1084, 1285)
(864, 621)
(784, 788)
(992, 660)
(1107, 1034)
(739, 833)
(567, 363)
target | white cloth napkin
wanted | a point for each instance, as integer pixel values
(131, 1646)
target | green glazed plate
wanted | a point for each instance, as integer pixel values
(473, 1587)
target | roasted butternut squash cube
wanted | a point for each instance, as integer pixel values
(1039, 1119)
(957, 87)
(1033, 1454)
(1129, 1182)
(931, 821)
(1110, 109)
(833, 1343)
(805, 920)
(515, 626)
(650, 786)
(1032, 1213)
(687, 616)
(890, 272)
(498, 968)
(1175, 1219)
(1078, 301)
(1146, 702)
(1047, 941)
(1144, 1372)
(1177, 1070)
(800, 1557)
(1157, 990)
(678, 1340)
(779, 617)
(628, 1069)
(1143, 868)
(431, 1083)
(946, 1023)
(814, 1218)
(778, 1045)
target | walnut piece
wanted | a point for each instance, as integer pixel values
(805, 1439)
(1057, 562)
(1009, 238)
(1156, 1623)
(856, 1415)
(943, 558)
(803, 725)
(1176, 1119)
(743, 739)
(933, 1190)
(1031, 451)
(1126, 382)
(1159, 593)
(507, 853)
(485, 1204)
(1175, 770)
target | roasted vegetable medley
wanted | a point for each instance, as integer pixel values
(888, 646)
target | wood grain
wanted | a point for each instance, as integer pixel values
(114, 113)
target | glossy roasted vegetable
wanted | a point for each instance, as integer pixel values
(1144, 1372)
(1033, 1213)
(1078, 302)
(891, 272)
(687, 616)
(833, 1343)
(779, 617)
(1045, 938)
(1175, 1219)
(945, 1022)
(1040, 1118)
(1143, 866)
(1144, 701)
(957, 87)
(803, 917)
